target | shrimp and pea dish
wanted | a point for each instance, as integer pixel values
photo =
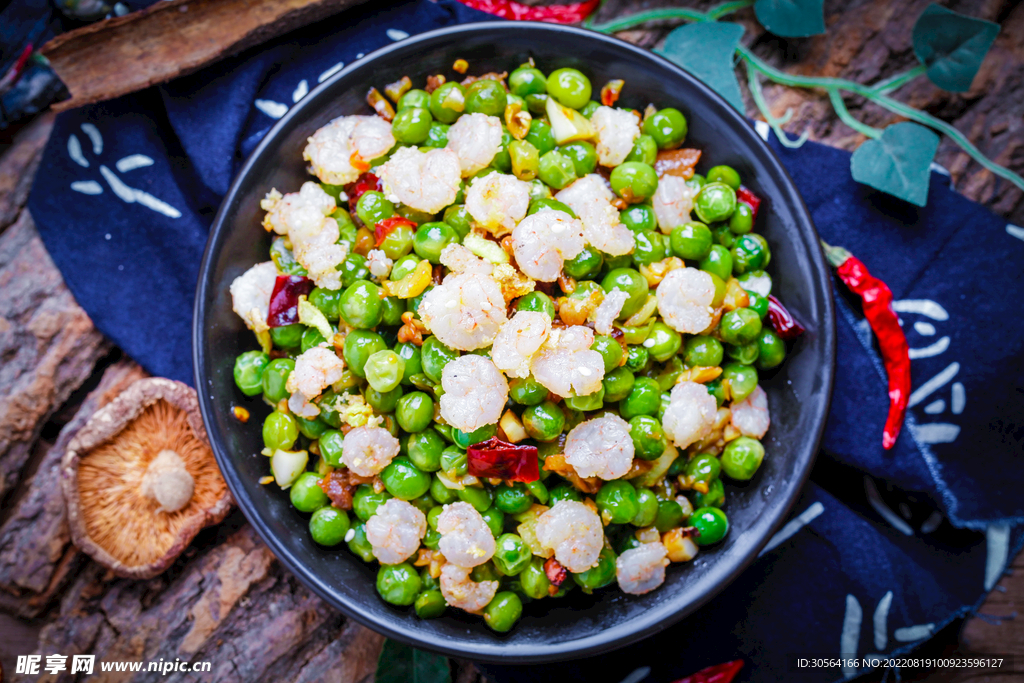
(511, 339)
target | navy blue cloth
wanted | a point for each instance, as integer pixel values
(884, 548)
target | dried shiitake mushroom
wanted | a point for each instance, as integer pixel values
(140, 480)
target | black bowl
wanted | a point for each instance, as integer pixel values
(799, 391)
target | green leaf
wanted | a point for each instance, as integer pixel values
(706, 50)
(791, 18)
(400, 663)
(898, 162)
(952, 46)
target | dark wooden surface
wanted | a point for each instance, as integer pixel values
(227, 600)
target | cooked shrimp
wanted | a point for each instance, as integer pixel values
(395, 530)
(750, 415)
(574, 532)
(343, 149)
(474, 393)
(590, 198)
(378, 263)
(498, 201)
(544, 241)
(566, 363)
(459, 259)
(475, 138)
(426, 181)
(368, 450)
(315, 370)
(672, 201)
(617, 130)
(461, 591)
(690, 415)
(601, 447)
(250, 295)
(684, 300)
(298, 404)
(609, 310)
(465, 312)
(466, 540)
(642, 569)
(518, 341)
(303, 216)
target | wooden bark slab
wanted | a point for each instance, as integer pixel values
(18, 167)
(169, 39)
(48, 345)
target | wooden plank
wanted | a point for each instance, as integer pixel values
(18, 166)
(170, 39)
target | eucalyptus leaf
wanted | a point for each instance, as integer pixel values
(400, 663)
(898, 162)
(952, 46)
(792, 18)
(706, 50)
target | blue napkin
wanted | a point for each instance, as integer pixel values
(883, 549)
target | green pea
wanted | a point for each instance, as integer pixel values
(750, 252)
(284, 259)
(742, 380)
(645, 150)
(720, 288)
(742, 219)
(564, 492)
(715, 202)
(425, 450)
(534, 579)
(648, 247)
(542, 203)
(511, 554)
(404, 480)
(454, 462)
(544, 422)
(415, 411)
(414, 98)
(771, 350)
(359, 346)
(617, 501)
(537, 104)
(330, 443)
(742, 458)
(716, 389)
(411, 125)
(398, 584)
(437, 136)
(556, 169)
(637, 358)
(486, 96)
(600, 575)
(248, 372)
(702, 468)
(718, 262)
(467, 439)
(479, 498)
(361, 305)
(610, 350)
(441, 493)
(365, 501)
(632, 283)
(328, 526)
(703, 351)
(306, 494)
(353, 269)
(586, 403)
(502, 161)
(586, 265)
(649, 441)
(541, 136)
(279, 431)
(740, 326)
(328, 301)
(513, 500)
(663, 342)
(502, 613)
(524, 159)
(639, 218)
(527, 80)
(627, 542)
(404, 264)
(712, 525)
(756, 281)
(459, 219)
(287, 336)
(327, 401)
(614, 262)
(745, 354)
(536, 301)
(448, 102)
(373, 207)
(432, 238)
(724, 174)
(667, 127)
(527, 391)
(494, 519)
(360, 545)
(570, 87)
(723, 235)
(715, 496)
(758, 304)
(583, 156)
(411, 354)
(589, 108)
(670, 515)
(311, 429)
(648, 511)
(434, 356)
(644, 399)
(429, 604)
(634, 181)
(617, 384)
(311, 338)
(275, 377)
(397, 243)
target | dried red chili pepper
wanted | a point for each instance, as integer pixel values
(556, 14)
(750, 199)
(363, 184)
(499, 459)
(783, 322)
(555, 572)
(719, 673)
(284, 301)
(388, 225)
(876, 298)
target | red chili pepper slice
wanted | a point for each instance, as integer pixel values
(364, 183)
(719, 673)
(876, 298)
(783, 322)
(387, 226)
(556, 14)
(750, 199)
(497, 459)
(284, 301)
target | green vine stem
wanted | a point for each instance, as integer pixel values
(776, 124)
(846, 117)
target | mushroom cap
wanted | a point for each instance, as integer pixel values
(109, 512)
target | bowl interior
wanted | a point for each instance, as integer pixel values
(799, 391)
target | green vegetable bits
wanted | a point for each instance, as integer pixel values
(407, 399)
